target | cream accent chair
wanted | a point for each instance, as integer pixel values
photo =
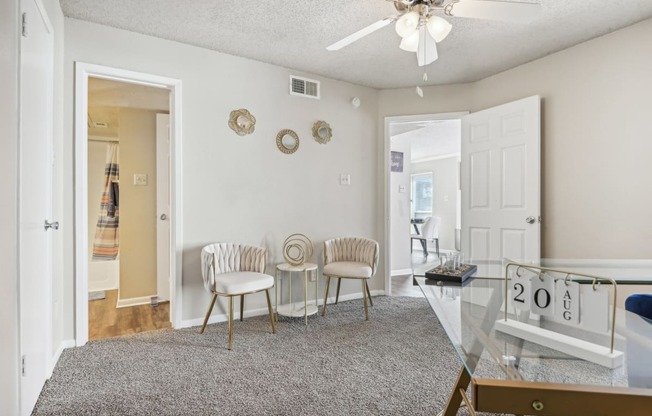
(350, 258)
(235, 270)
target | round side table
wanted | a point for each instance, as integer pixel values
(290, 309)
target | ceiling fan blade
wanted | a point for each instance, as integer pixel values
(507, 11)
(361, 33)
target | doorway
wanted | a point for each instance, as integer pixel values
(124, 208)
(120, 218)
(500, 182)
(424, 194)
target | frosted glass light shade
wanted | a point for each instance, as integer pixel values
(407, 24)
(410, 43)
(438, 28)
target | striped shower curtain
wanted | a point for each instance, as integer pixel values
(106, 243)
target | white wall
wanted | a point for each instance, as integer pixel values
(9, 372)
(400, 209)
(444, 197)
(595, 140)
(243, 189)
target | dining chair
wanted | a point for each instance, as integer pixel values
(350, 258)
(429, 232)
(235, 270)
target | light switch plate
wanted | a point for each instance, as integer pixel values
(140, 179)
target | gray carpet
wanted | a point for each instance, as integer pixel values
(397, 363)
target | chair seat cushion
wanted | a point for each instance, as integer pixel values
(234, 283)
(348, 269)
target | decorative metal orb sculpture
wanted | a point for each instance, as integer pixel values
(297, 249)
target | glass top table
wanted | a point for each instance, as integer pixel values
(509, 374)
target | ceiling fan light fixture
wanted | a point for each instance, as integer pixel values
(438, 28)
(427, 49)
(410, 43)
(407, 24)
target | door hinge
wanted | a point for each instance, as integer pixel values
(24, 24)
(22, 365)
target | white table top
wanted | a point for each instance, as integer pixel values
(287, 267)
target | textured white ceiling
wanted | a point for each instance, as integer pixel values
(295, 33)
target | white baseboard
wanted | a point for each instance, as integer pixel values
(143, 300)
(69, 343)
(187, 323)
(401, 272)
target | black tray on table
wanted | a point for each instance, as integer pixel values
(458, 276)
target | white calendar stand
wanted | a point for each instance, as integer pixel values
(605, 356)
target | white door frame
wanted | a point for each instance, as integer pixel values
(82, 72)
(386, 187)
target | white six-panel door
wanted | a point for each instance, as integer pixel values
(501, 182)
(35, 201)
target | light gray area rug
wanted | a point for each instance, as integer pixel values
(397, 363)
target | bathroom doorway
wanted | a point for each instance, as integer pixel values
(123, 211)
(127, 141)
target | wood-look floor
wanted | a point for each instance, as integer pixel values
(106, 321)
(403, 285)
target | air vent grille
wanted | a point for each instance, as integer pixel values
(304, 87)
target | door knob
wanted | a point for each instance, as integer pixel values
(164, 217)
(530, 220)
(54, 225)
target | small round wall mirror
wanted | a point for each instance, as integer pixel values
(322, 132)
(287, 141)
(242, 122)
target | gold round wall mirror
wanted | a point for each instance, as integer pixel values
(242, 122)
(322, 132)
(287, 141)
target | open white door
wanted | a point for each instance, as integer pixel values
(163, 206)
(501, 182)
(35, 201)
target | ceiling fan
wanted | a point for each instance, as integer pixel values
(421, 28)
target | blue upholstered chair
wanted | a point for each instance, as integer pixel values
(640, 304)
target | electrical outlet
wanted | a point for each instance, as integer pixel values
(345, 179)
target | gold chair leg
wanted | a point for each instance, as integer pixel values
(328, 283)
(271, 313)
(230, 322)
(337, 295)
(371, 302)
(208, 314)
(241, 307)
(364, 298)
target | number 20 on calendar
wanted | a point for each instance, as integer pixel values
(543, 296)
